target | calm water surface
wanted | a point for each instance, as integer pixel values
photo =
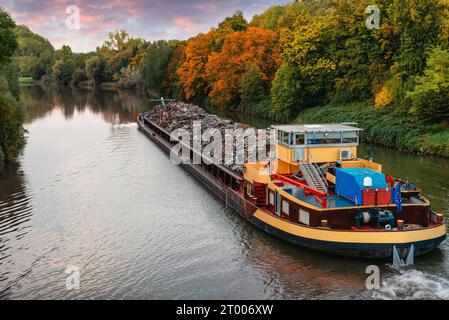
(91, 191)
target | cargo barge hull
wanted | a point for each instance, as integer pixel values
(325, 241)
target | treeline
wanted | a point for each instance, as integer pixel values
(320, 52)
(289, 58)
(11, 113)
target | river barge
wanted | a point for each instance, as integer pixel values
(319, 195)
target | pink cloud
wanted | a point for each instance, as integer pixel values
(188, 25)
(149, 19)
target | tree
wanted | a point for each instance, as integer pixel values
(11, 113)
(430, 97)
(79, 75)
(8, 40)
(306, 48)
(361, 63)
(62, 72)
(172, 84)
(34, 55)
(154, 64)
(286, 93)
(118, 52)
(252, 87)
(11, 130)
(191, 73)
(94, 69)
(418, 26)
(10, 74)
(444, 37)
(129, 77)
(241, 50)
(269, 19)
(236, 22)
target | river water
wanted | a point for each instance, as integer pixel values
(92, 192)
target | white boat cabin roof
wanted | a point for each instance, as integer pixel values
(309, 128)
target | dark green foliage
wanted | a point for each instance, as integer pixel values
(34, 55)
(269, 19)
(236, 22)
(252, 88)
(417, 26)
(11, 76)
(286, 93)
(429, 98)
(95, 69)
(62, 72)
(78, 76)
(382, 126)
(254, 96)
(8, 41)
(11, 130)
(11, 113)
(154, 65)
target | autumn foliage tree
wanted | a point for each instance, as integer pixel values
(255, 47)
(172, 82)
(191, 73)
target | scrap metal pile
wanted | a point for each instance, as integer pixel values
(179, 115)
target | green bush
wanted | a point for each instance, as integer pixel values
(286, 94)
(79, 75)
(11, 130)
(252, 88)
(386, 127)
(430, 97)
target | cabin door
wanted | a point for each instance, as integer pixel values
(277, 203)
(299, 154)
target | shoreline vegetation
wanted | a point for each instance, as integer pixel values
(12, 133)
(312, 60)
(384, 127)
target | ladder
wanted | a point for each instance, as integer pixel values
(312, 174)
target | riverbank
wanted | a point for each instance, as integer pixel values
(385, 127)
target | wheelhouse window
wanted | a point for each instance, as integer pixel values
(350, 137)
(299, 139)
(329, 138)
(284, 136)
(332, 138)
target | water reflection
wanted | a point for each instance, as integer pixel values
(431, 174)
(15, 216)
(114, 106)
(290, 272)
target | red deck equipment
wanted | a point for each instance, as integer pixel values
(321, 197)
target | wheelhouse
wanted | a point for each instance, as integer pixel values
(317, 142)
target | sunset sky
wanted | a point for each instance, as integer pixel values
(150, 19)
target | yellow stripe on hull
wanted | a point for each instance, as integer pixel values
(360, 237)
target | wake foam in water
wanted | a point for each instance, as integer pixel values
(413, 285)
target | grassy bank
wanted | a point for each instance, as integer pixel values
(385, 127)
(26, 81)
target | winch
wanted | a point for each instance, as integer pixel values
(377, 218)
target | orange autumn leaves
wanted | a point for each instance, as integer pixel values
(191, 73)
(216, 68)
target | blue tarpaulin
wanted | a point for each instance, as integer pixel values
(349, 182)
(397, 197)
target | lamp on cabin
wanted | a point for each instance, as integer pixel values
(367, 182)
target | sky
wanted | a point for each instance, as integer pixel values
(148, 19)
